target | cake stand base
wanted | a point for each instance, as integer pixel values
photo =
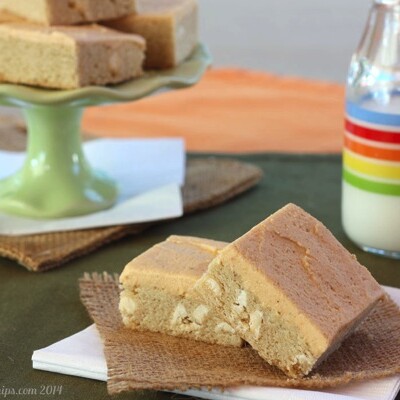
(56, 180)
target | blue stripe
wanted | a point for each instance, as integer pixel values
(373, 117)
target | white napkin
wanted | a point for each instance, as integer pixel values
(149, 173)
(82, 355)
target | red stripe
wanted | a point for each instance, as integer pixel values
(372, 134)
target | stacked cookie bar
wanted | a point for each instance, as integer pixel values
(66, 44)
(68, 57)
(170, 28)
(68, 12)
(287, 287)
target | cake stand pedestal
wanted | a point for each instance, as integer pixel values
(56, 180)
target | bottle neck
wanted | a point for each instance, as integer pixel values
(380, 42)
(387, 2)
(386, 7)
(375, 66)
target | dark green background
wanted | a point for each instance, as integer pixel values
(37, 310)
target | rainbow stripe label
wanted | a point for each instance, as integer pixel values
(371, 156)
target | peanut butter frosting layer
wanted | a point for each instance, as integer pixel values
(173, 265)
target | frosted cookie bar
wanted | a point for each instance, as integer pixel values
(290, 289)
(68, 12)
(170, 28)
(68, 57)
(156, 292)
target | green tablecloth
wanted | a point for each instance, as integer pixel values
(37, 310)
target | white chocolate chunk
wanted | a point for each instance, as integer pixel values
(115, 64)
(241, 302)
(256, 318)
(180, 314)
(303, 361)
(301, 358)
(213, 285)
(200, 313)
(127, 306)
(224, 327)
(182, 319)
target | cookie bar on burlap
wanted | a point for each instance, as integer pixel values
(290, 289)
(146, 360)
(156, 292)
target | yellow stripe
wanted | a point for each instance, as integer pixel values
(370, 168)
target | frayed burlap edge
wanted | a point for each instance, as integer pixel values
(145, 360)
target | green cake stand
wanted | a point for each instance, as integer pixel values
(56, 180)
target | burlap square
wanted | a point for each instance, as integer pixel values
(138, 360)
(209, 182)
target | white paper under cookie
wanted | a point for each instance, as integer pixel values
(82, 355)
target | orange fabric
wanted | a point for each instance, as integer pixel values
(233, 110)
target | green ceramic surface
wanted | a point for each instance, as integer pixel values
(56, 180)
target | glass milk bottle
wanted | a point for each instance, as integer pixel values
(371, 156)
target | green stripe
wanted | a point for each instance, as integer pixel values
(371, 186)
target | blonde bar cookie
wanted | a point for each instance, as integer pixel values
(170, 28)
(68, 57)
(290, 289)
(156, 292)
(68, 12)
